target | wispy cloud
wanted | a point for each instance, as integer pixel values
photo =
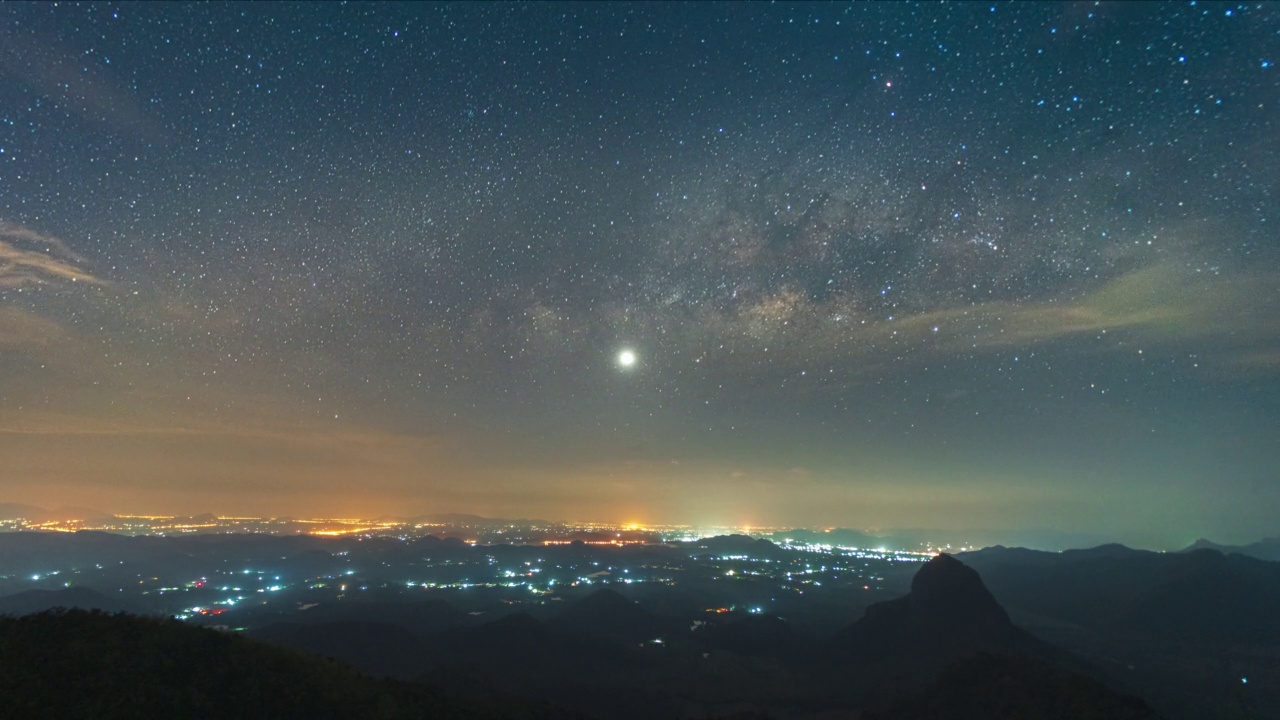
(1160, 302)
(1237, 312)
(28, 257)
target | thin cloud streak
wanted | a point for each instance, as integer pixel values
(20, 267)
(1159, 302)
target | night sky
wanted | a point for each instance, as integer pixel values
(883, 265)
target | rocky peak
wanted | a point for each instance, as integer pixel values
(946, 591)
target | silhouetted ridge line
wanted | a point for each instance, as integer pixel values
(79, 664)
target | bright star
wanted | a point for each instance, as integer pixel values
(626, 358)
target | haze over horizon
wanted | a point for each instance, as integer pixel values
(964, 266)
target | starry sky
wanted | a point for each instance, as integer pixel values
(880, 265)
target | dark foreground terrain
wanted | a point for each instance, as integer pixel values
(88, 664)
(945, 650)
(725, 626)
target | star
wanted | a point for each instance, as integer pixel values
(626, 359)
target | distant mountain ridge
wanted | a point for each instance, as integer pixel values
(1264, 549)
(1187, 628)
(1111, 588)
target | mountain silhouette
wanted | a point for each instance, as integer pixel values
(949, 613)
(375, 648)
(90, 664)
(424, 618)
(1264, 549)
(609, 614)
(1200, 595)
(757, 635)
(949, 651)
(519, 648)
(740, 545)
(1181, 629)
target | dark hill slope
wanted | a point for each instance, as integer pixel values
(1184, 630)
(608, 613)
(948, 614)
(995, 687)
(376, 648)
(1198, 595)
(949, 650)
(90, 664)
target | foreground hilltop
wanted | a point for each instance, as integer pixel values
(88, 664)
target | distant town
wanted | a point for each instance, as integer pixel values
(471, 529)
(242, 572)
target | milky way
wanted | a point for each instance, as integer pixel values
(959, 265)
